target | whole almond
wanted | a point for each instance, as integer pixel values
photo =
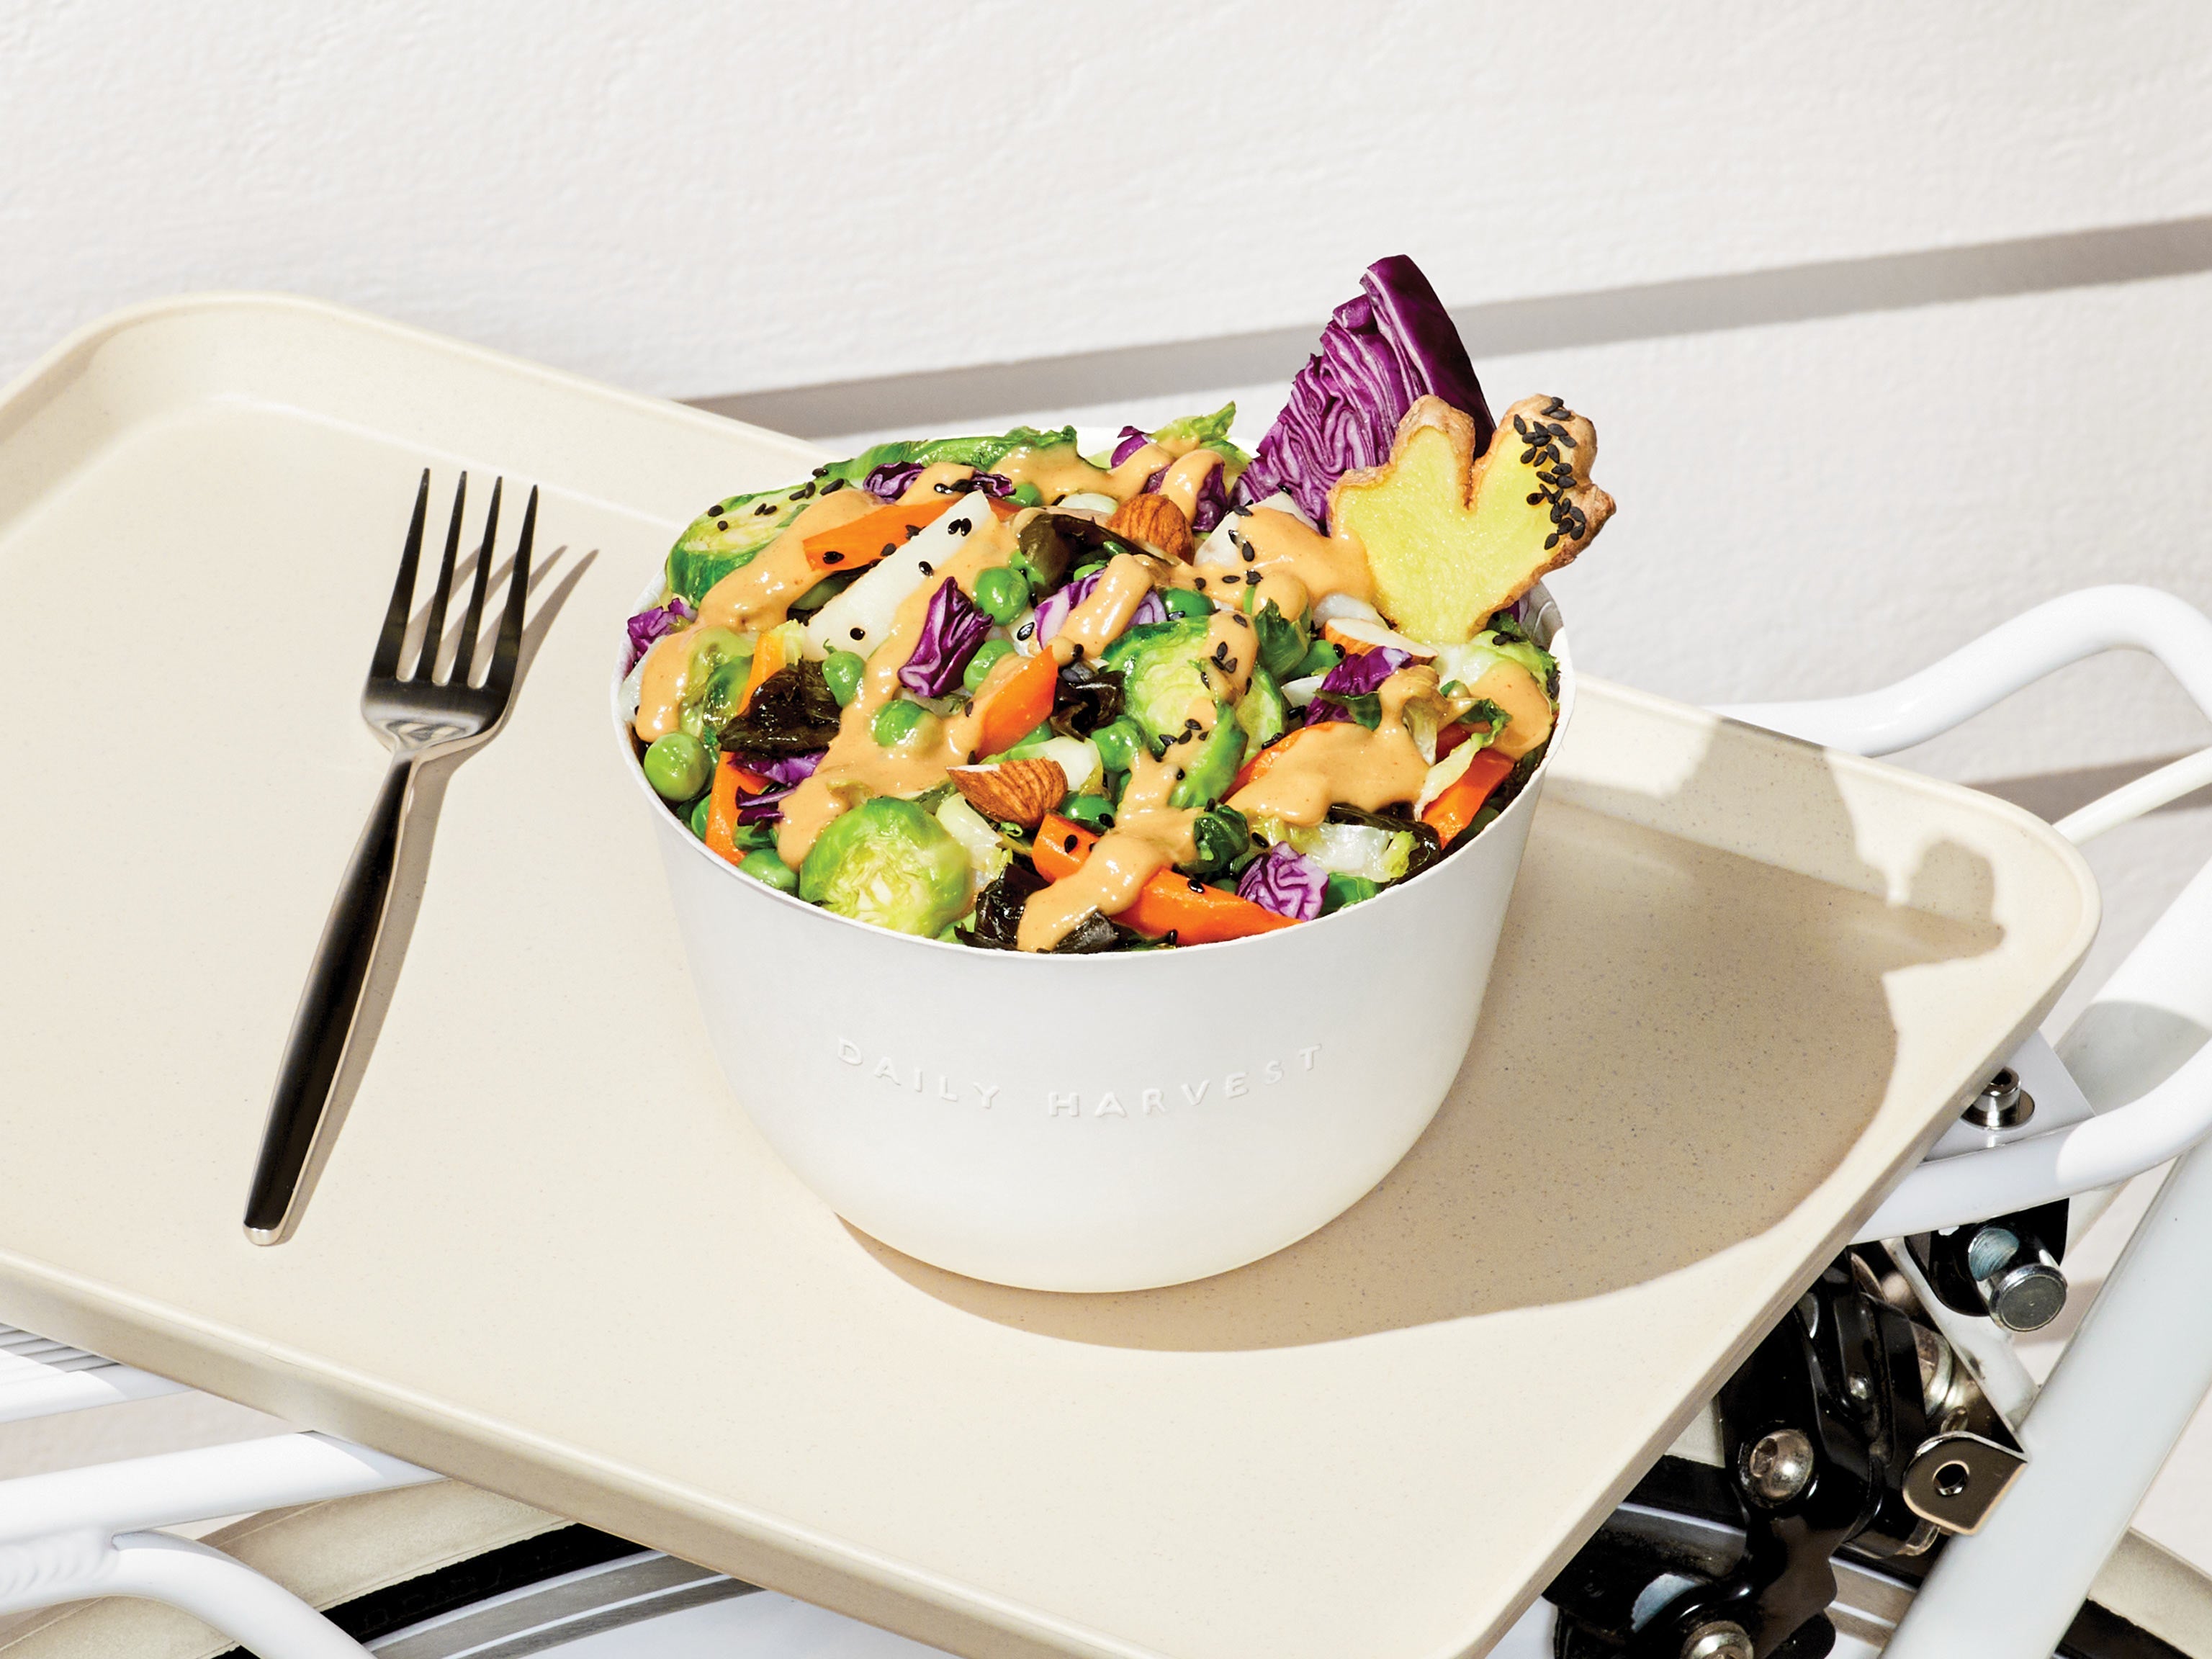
(1156, 522)
(1012, 791)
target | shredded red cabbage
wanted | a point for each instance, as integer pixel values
(891, 480)
(767, 807)
(786, 769)
(648, 626)
(1360, 674)
(1052, 610)
(1393, 343)
(1212, 502)
(1286, 882)
(1130, 443)
(953, 628)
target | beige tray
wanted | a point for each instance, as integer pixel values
(1743, 984)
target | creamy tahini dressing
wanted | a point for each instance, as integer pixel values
(1148, 835)
(1528, 709)
(661, 685)
(759, 592)
(1343, 761)
(1284, 559)
(1283, 544)
(855, 766)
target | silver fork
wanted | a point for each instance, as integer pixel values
(420, 719)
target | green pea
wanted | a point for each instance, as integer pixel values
(1028, 494)
(765, 865)
(1319, 659)
(678, 766)
(700, 808)
(980, 665)
(1091, 812)
(894, 722)
(842, 671)
(1185, 602)
(1001, 594)
(1118, 743)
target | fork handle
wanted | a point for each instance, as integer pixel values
(301, 1124)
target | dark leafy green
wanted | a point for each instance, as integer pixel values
(1086, 698)
(791, 712)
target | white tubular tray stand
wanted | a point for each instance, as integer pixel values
(2133, 1376)
(83, 1533)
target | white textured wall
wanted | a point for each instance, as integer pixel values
(698, 200)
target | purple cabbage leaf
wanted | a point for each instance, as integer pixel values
(1387, 346)
(951, 630)
(648, 626)
(1348, 691)
(1286, 882)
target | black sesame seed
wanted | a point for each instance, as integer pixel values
(1248, 553)
(890, 548)
(960, 526)
(1179, 774)
(1025, 630)
(1169, 938)
(1078, 650)
(833, 558)
(833, 486)
(927, 569)
(721, 523)
(1201, 581)
(763, 509)
(803, 492)
(1196, 886)
(1252, 577)
(913, 530)
(859, 633)
(1070, 844)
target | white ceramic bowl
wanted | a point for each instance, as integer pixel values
(1104, 1122)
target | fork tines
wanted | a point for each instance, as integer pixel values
(499, 674)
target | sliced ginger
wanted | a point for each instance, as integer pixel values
(1452, 538)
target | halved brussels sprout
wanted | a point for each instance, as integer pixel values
(888, 862)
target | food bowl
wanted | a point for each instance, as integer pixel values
(1108, 1122)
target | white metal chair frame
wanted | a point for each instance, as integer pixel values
(2098, 1431)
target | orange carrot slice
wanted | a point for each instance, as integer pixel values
(1451, 812)
(1168, 903)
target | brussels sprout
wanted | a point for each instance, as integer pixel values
(677, 765)
(721, 657)
(1162, 666)
(1261, 711)
(1208, 772)
(888, 862)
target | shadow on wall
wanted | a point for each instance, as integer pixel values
(1677, 1046)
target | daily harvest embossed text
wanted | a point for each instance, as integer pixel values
(1069, 1102)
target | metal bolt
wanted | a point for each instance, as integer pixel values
(1778, 1465)
(2028, 1295)
(2002, 1104)
(1722, 1639)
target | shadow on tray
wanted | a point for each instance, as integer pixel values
(1610, 1123)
